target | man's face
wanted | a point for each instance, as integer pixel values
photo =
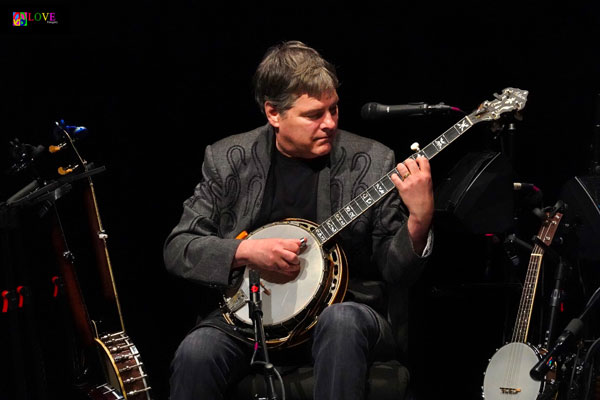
(307, 129)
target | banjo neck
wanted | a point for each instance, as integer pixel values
(543, 239)
(510, 99)
(365, 200)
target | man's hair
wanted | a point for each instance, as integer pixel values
(289, 70)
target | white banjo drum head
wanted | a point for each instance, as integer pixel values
(507, 374)
(283, 301)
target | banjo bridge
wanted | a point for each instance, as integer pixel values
(506, 390)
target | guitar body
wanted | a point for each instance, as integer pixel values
(507, 374)
(290, 305)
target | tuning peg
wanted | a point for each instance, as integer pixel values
(66, 171)
(415, 147)
(57, 148)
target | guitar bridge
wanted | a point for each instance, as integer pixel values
(236, 301)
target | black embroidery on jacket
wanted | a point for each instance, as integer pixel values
(236, 158)
(337, 185)
(255, 185)
(359, 186)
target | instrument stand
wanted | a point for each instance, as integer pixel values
(31, 370)
(255, 311)
(559, 276)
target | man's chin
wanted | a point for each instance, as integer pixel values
(322, 149)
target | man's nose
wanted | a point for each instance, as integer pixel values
(329, 121)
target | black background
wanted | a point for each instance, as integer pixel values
(155, 82)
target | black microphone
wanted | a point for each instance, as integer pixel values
(255, 305)
(376, 110)
(570, 334)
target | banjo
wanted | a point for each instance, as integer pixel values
(291, 305)
(507, 374)
(120, 359)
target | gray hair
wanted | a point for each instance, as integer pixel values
(289, 70)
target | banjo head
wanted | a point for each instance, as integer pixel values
(284, 298)
(507, 374)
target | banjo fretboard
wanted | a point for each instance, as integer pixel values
(361, 203)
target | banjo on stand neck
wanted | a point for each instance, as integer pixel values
(291, 306)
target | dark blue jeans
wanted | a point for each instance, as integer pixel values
(346, 339)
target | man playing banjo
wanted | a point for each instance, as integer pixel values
(298, 165)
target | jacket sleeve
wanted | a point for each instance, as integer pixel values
(194, 249)
(393, 251)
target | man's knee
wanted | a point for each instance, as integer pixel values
(347, 318)
(201, 347)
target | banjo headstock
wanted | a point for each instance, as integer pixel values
(511, 99)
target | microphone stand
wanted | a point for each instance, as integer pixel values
(570, 335)
(556, 299)
(255, 311)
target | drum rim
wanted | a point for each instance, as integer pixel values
(114, 371)
(295, 222)
(115, 368)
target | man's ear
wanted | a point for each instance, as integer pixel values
(273, 116)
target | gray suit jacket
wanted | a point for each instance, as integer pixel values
(227, 201)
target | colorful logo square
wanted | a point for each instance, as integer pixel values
(19, 19)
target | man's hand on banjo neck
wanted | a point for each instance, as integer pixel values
(416, 190)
